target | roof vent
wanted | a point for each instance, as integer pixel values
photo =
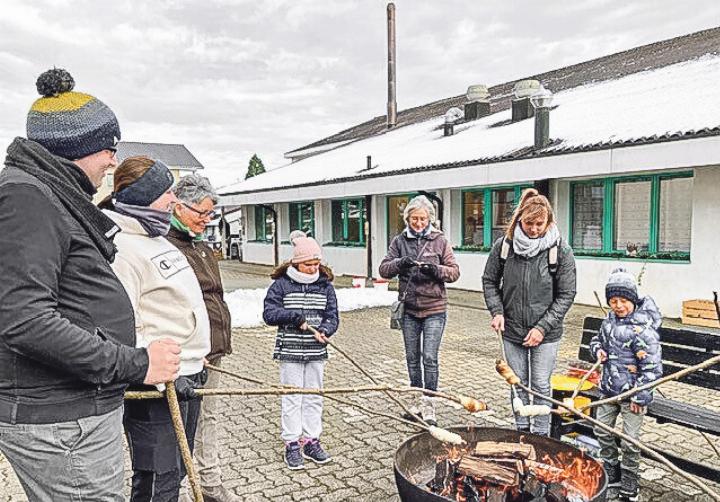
(479, 102)
(521, 107)
(452, 116)
(541, 102)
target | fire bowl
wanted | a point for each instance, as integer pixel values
(415, 459)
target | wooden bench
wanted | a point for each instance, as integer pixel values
(681, 348)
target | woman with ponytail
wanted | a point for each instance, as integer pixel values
(168, 306)
(529, 285)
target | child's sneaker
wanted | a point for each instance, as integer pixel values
(613, 474)
(293, 457)
(313, 451)
(629, 486)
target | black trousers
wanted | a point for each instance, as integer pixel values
(157, 465)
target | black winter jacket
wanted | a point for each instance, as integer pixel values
(67, 333)
(523, 291)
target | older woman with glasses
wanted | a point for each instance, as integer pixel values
(194, 210)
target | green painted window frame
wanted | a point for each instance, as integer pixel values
(260, 221)
(608, 221)
(297, 224)
(487, 214)
(346, 220)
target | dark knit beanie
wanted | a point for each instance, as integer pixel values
(147, 188)
(70, 124)
(621, 283)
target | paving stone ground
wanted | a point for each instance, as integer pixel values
(363, 446)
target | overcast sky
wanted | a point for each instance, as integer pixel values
(229, 78)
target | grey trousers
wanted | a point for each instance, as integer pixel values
(73, 461)
(632, 423)
(206, 443)
(301, 413)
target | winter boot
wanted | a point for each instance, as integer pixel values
(427, 406)
(613, 474)
(629, 486)
(293, 457)
(313, 451)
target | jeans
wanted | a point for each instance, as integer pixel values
(301, 414)
(538, 372)
(68, 461)
(632, 423)
(422, 336)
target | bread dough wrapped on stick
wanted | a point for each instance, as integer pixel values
(506, 372)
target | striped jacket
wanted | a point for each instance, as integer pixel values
(288, 304)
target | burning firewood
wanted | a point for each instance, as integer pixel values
(505, 450)
(490, 472)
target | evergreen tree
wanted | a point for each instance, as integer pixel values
(255, 167)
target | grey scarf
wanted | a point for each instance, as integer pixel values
(525, 246)
(154, 221)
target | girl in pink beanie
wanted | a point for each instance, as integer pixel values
(302, 304)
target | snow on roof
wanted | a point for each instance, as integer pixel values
(174, 155)
(680, 98)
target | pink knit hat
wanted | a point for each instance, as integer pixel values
(304, 248)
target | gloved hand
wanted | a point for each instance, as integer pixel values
(406, 263)
(185, 389)
(429, 269)
(203, 377)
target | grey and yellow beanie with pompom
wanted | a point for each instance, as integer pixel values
(70, 124)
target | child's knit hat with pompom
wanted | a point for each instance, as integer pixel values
(304, 248)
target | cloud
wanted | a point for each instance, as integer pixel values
(230, 78)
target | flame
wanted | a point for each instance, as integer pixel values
(579, 474)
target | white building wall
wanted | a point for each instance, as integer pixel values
(668, 282)
(258, 252)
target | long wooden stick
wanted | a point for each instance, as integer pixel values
(584, 378)
(182, 440)
(332, 398)
(417, 416)
(272, 391)
(652, 385)
(660, 458)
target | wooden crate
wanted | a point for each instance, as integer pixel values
(700, 313)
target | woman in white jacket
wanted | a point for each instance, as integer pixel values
(168, 303)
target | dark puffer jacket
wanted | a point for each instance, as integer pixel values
(289, 303)
(525, 292)
(424, 294)
(633, 347)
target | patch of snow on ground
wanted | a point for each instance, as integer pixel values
(246, 305)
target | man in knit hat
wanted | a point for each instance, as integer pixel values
(67, 332)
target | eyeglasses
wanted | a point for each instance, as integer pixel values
(112, 150)
(201, 214)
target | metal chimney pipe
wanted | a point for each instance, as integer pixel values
(392, 102)
(542, 128)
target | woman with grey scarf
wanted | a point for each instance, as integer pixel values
(168, 304)
(529, 285)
